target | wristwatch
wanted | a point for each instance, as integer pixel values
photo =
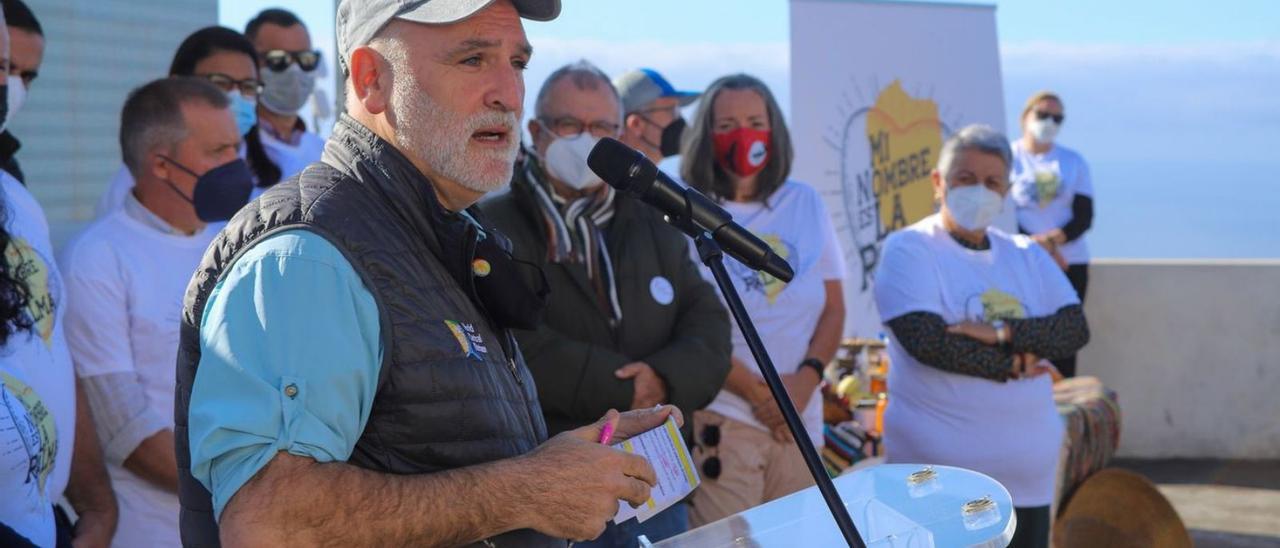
(815, 363)
(1002, 336)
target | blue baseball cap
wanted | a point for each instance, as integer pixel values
(643, 86)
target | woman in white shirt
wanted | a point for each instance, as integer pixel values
(1054, 194)
(972, 313)
(738, 152)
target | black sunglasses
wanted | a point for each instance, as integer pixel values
(1057, 118)
(711, 467)
(278, 60)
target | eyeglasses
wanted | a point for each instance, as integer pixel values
(278, 60)
(248, 87)
(711, 467)
(568, 126)
(1057, 118)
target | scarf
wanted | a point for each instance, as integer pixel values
(575, 235)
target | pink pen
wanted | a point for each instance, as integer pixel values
(606, 433)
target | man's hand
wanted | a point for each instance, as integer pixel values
(649, 388)
(577, 481)
(977, 331)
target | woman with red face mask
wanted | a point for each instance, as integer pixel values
(738, 151)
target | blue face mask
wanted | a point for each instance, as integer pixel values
(220, 192)
(245, 110)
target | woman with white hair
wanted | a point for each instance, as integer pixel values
(972, 315)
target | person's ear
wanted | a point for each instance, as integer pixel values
(371, 79)
(633, 124)
(159, 167)
(939, 185)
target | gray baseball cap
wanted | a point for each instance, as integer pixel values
(360, 20)
(643, 86)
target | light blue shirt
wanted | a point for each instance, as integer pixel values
(290, 348)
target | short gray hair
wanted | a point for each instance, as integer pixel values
(152, 116)
(585, 75)
(979, 137)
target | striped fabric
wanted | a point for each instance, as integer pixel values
(574, 233)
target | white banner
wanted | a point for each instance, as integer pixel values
(876, 87)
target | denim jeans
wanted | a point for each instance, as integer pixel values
(666, 524)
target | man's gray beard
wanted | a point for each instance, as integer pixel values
(440, 137)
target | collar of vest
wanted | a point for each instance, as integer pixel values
(357, 152)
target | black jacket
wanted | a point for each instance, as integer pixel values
(574, 354)
(453, 390)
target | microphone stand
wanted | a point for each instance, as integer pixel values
(713, 256)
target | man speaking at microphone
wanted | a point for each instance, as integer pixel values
(346, 370)
(631, 323)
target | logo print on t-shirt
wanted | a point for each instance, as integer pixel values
(35, 428)
(998, 305)
(33, 270)
(469, 341)
(759, 282)
(1048, 185)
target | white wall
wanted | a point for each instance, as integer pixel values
(1193, 350)
(96, 52)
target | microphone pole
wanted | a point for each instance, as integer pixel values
(713, 256)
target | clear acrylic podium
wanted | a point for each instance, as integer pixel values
(893, 505)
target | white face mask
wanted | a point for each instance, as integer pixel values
(1043, 131)
(287, 92)
(974, 207)
(566, 160)
(17, 95)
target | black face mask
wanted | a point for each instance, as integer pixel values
(671, 135)
(220, 192)
(502, 284)
(671, 138)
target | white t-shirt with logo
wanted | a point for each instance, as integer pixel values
(126, 282)
(1044, 189)
(39, 383)
(797, 227)
(1010, 431)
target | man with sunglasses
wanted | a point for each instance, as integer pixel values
(631, 323)
(288, 65)
(26, 53)
(651, 120)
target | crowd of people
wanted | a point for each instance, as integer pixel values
(415, 332)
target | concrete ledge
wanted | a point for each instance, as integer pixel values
(1193, 349)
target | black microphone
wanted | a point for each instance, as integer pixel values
(628, 170)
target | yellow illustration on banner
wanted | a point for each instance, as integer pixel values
(905, 135)
(1048, 184)
(30, 267)
(998, 305)
(38, 432)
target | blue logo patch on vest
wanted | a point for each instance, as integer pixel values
(468, 340)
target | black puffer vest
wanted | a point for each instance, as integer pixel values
(453, 390)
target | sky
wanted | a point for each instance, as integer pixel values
(1173, 103)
